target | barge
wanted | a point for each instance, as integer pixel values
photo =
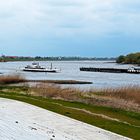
(131, 70)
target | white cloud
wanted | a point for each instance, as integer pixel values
(40, 18)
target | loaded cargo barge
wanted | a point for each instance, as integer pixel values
(131, 70)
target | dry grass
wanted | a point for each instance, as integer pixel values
(55, 91)
(129, 93)
(11, 79)
(127, 98)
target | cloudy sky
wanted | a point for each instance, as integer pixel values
(69, 27)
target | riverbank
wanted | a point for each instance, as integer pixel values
(127, 98)
(12, 79)
(59, 81)
(36, 123)
(71, 103)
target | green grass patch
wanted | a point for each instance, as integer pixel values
(70, 109)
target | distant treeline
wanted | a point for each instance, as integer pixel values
(38, 58)
(132, 58)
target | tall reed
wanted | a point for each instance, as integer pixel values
(11, 79)
(125, 97)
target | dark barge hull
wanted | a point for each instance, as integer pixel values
(109, 70)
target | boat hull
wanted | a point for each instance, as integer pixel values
(40, 70)
(110, 70)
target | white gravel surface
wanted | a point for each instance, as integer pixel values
(21, 121)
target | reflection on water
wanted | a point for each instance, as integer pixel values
(70, 71)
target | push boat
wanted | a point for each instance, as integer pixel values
(35, 67)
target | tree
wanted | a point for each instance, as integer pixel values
(120, 59)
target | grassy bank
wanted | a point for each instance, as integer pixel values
(127, 98)
(123, 122)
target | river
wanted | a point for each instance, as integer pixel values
(70, 71)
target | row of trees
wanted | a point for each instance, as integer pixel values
(133, 58)
(39, 58)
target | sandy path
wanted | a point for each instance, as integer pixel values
(21, 121)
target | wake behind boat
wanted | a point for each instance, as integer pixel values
(35, 67)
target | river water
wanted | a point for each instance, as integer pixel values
(70, 71)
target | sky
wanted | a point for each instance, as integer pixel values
(92, 28)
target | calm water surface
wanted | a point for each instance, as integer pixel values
(70, 71)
